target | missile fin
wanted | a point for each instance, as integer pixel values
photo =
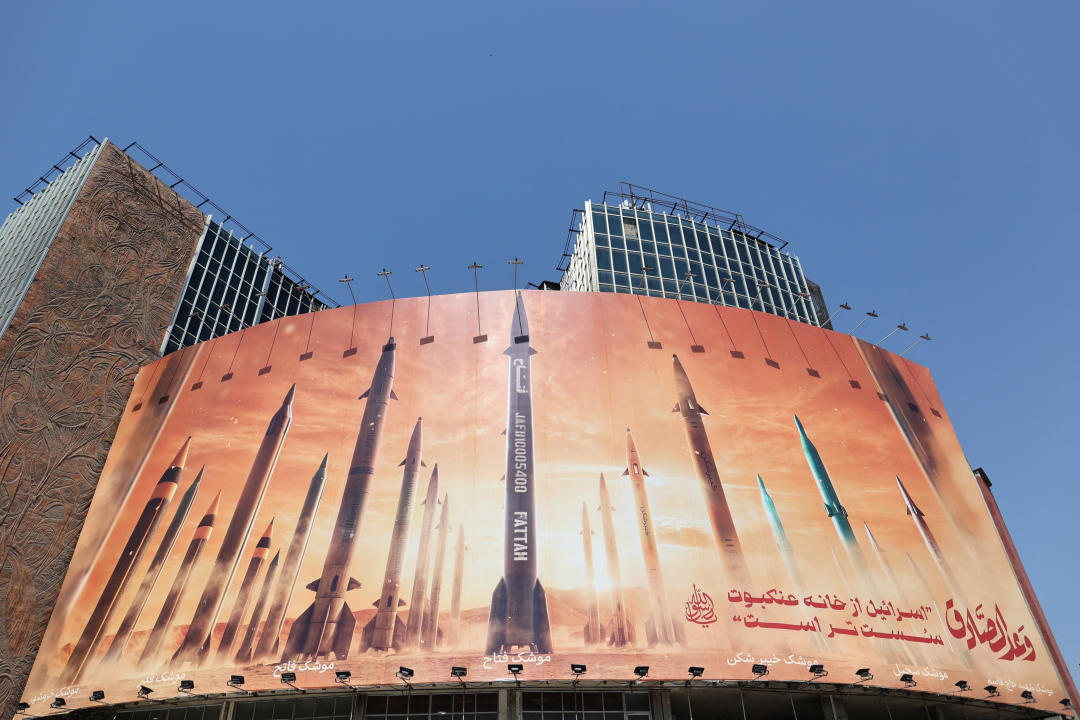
(676, 408)
(402, 462)
(294, 646)
(354, 584)
(313, 585)
(626, 472)
(645, 472)
(496, 638)
(393, 395)
(344, 634)
(366, 393)
(541, 623)
(701, 409)
(423, 464)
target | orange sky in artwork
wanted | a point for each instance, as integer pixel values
(593, 377)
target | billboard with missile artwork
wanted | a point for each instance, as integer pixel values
(538, 478)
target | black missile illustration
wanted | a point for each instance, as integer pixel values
(519, 612)
(697, 440)
(423, 555)
(243, 593)
(386, 631)
(660, 626)
(592, 615)
(268, 645)
(325, 628)
(179, 583)
(144, 527)
(196, 645)
(243, 654)
(619, 631)
(153, 571)
(431, 632)
(453, 626)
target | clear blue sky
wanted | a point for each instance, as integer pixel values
(921, 158)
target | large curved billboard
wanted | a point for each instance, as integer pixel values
(538, 479)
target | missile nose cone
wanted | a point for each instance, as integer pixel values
(799, 425)
(181, 455)
(761, 484)
(290, 395)
(212, 510)
(322, 465)
(269, 529)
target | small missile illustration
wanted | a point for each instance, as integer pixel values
(423, 555)
(243, 655)
(886, 567)
(592, 621)
(919, 518)
(150, 577)
(267, 646)
(453, 627)
(833, 508)
(660, 626)
(781, 538)
(519, 611)
(386, 631)
(325, 628)
(697, 440)
(914, 655)
(619, 631)
(179, 584)
(243, 594)
(431, 634)
(945, 634)
(196, 645)
(144, 527)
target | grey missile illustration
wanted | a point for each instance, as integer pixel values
(919, 518)
(144, 527)
(196, 645)
(431, 634)
(660, 626)
(150, 576)
(325, 628)
(619, 631)
(243, 655)
(243, 593)
(780, 536)
(593, 631)
(268, 645)
(179, 584)
(453, 627)
(423, 555)
(697, 440)
(945, 634)
(519, 612)
(386, 631)
(915, 655)
(836, 512)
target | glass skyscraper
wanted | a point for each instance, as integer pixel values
(642, 242)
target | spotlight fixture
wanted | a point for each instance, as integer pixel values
(992, 691)
(864, 675)
(1028, 697)
(515, 668)
(97, 696)
(342, 677)
(759, 670)
(144, 692)
(962, 686)
(186, 686)
(404, 673)
(695, 672)
(1065, 703)
(641, 671)
(21, 707)
(57, 703)
(288, 678)
(818, 671)
(577, 669)
(459, 672)
(235, 681)
(908, 680)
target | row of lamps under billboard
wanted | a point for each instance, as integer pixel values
(342, 677)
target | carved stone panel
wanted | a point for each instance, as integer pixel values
(95, 313)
